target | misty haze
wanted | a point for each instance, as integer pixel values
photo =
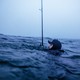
(61, 18)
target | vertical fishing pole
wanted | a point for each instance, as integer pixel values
(42, 22)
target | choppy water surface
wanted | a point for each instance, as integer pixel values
(21, 60)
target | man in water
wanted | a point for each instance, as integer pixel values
(55, 47)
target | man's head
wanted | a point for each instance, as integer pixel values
(54, 45)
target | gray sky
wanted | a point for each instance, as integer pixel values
(22, 17)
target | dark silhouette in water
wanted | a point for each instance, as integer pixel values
(53, 48)
(55, 45)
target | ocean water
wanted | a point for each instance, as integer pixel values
(21, 59)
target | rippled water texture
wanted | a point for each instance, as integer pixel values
(21, 59)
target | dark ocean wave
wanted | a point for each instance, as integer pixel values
(21, 58)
